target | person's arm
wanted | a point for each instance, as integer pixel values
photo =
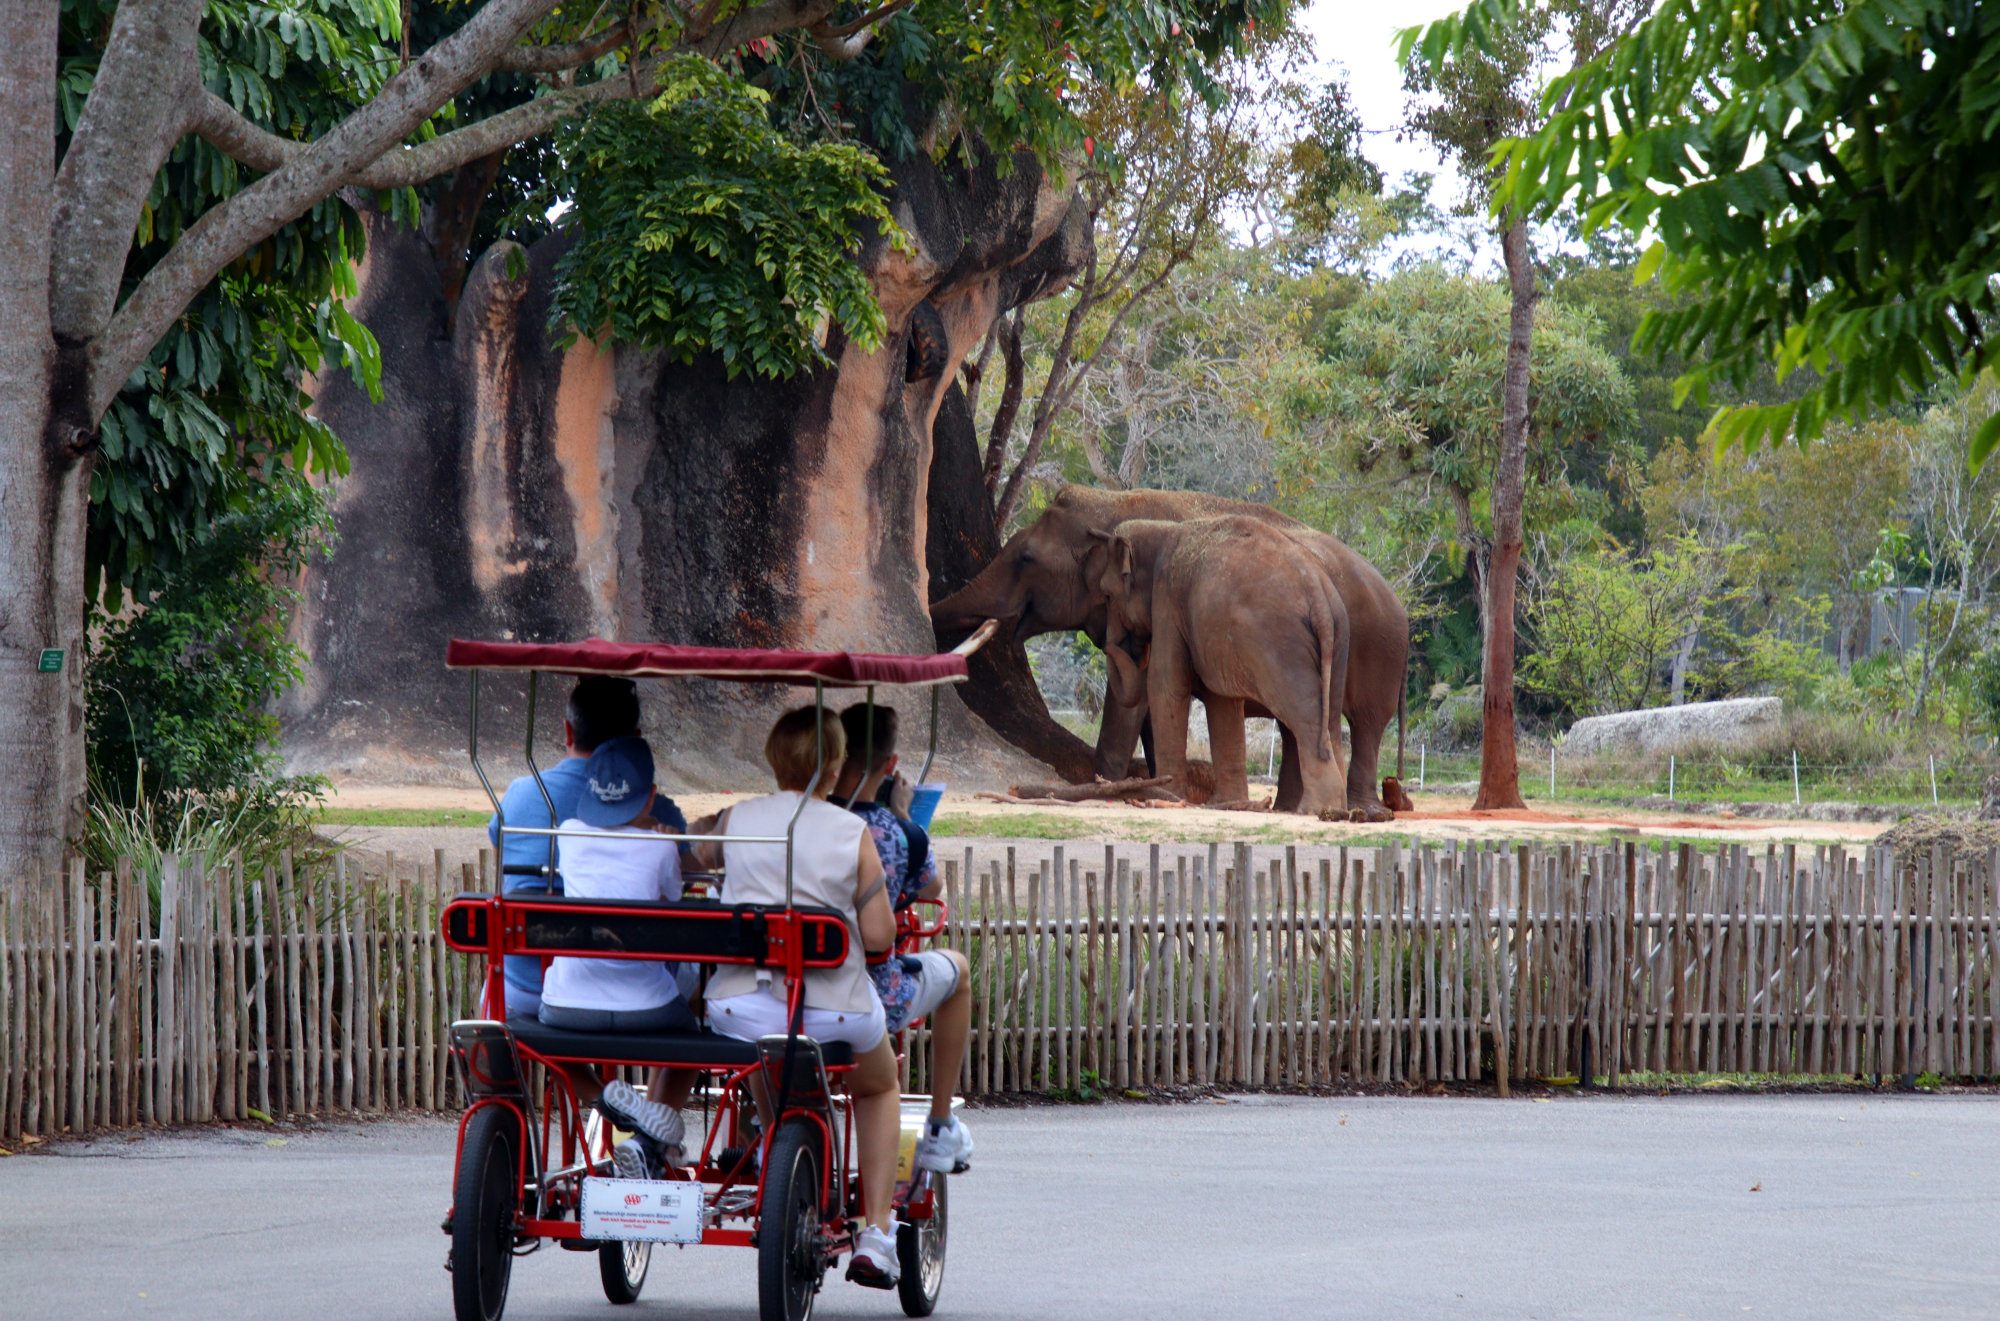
(707, 855)
(871, 897)
(668, 813)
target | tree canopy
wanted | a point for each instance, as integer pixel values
(1773, 155)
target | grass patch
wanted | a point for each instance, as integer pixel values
(402, 816)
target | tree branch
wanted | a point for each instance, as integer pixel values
(135, 113)
(342, 156)
(222, 127)
(764, 20)
(1009, 332)
(569, 54)
(849, 39)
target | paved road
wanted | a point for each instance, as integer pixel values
(1805, 1207)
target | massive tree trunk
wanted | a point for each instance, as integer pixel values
(1002, 690)
(1499, 771)
(44, 478)
(511, 488)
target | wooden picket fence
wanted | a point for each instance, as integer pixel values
(232, 995)
(1415, 964)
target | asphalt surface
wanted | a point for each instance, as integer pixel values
(1708, 1206)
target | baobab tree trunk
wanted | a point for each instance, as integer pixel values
(1499, 771)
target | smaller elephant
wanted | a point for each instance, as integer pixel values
(1227, 609)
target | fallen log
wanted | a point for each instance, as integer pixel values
(1080, 793)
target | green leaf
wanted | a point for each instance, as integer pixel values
(1983, 442)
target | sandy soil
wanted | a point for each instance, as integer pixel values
(991, 830)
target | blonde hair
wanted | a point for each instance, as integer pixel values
(790, 747)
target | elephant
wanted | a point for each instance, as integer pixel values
(1036, 583)
(1230, 610)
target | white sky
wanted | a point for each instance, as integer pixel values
(1360, 36)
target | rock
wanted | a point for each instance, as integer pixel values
(514, 487)
(1661, 729)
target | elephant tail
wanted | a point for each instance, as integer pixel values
(1329, 639)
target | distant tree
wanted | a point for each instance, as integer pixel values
(1815, 182)
(1467, 101)
(1403, 398)
(1162, 174)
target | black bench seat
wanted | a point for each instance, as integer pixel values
(701, 1049)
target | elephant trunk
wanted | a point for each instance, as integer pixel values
(1128, 680)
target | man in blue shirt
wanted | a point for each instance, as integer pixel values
(601, 708)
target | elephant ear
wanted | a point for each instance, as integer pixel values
(1121, 555)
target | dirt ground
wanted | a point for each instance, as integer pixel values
(989, 830)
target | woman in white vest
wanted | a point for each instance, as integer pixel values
(834, 865)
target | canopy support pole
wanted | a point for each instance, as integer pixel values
(528, 750)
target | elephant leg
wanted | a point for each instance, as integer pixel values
(1169, 691)
(1227, 751)
(1150, 745)
(1364, 788)
(1290, 786)
(1322, 783)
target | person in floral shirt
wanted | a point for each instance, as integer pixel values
(932, 984)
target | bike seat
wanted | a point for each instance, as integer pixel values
(701, 1050)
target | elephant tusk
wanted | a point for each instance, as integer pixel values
(980, 637)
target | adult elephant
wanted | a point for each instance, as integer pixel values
(1232, 610)
(1037, 585)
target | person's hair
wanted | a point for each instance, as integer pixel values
(790, 749)
(854, 720)
(601, 708)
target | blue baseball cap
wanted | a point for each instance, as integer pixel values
(616, 780)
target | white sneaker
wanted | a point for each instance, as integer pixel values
(633, 1112)
(874, 1261)
(945, 1150)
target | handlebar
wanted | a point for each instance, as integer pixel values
(911, 925)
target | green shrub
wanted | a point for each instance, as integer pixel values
(183, 739)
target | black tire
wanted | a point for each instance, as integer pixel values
(622, 1267)
(486, 1193)
(790, 1258)
(920, 1248)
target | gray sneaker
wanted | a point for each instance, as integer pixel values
(630, 1111)
(631, 1160)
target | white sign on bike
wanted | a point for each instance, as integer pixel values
(641, 1210)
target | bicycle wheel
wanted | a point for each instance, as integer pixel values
(622, 1267)
(790, 1258)
(920, 1257)
(486, 1194)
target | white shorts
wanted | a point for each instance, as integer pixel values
(757, 1014)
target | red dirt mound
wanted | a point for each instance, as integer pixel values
(1529, 814)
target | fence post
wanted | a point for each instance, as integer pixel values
(1552, 770)
(1670, 777)
(1240, 952)
(1423, 753)
(1934, 793)
(1796, 802)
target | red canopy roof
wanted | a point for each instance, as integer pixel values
(836, 669)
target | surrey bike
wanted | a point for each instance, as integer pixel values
(775, 1169)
